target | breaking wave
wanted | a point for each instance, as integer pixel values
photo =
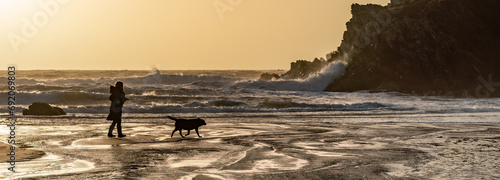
(316, 82)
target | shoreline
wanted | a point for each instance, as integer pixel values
(273, 118)
(267, 151)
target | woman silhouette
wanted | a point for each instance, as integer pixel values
(117, 99)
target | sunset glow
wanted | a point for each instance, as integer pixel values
(176, 34)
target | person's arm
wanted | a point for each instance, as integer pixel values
(123, 98)
(111, 97)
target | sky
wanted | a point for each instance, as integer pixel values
(169, 34)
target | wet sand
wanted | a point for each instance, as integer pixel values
(20, 154)
(264, 151)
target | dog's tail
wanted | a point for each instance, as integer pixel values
(170, 117)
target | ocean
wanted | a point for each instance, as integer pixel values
(231, 96)
(266, 129)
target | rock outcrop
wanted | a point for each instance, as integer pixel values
(302, 69)
(269, 76)
(39, 108)
(299, 69)
(421, 46)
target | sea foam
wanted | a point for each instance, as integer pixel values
(316, 82)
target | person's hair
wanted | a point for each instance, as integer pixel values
(119, 84)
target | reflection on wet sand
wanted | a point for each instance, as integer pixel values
(249, 151)
(48, 165)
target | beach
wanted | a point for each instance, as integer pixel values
(255, 130)
(379, 89)
(263, 151)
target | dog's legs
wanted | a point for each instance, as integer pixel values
(187, 133)
(180, 132)
(173, 133)
(197, 132)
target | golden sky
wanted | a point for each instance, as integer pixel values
(169, 34)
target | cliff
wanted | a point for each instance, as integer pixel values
(422, 46)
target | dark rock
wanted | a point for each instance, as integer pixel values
(301, 69)
(422, 46)
(442, 47)
(269, 76)
(39, 108)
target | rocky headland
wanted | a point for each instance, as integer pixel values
(424, 47)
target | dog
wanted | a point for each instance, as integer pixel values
(187, 124)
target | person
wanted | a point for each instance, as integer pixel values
(117, 99)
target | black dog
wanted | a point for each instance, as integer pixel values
(187, 124)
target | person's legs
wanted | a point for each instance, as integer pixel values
(110, 132)
(119, 127)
